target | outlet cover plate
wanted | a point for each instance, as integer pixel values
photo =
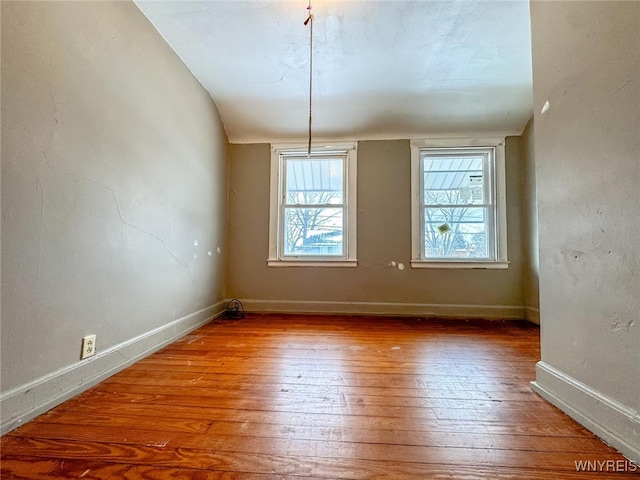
(88, 346)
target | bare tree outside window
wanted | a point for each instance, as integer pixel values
(313, 214)
(458, 207)
(464, 236)
(455, 214)
(313, 207)
(313, 230)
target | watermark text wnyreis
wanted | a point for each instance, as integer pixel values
(606, 466)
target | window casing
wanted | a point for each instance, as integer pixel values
(313, 206)
(458, 203)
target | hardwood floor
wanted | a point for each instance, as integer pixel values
(311, 397)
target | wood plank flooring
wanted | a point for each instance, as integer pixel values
(318, 397)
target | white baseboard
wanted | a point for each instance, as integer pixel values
(533, 315)
(616, 424)
(381, 308)
(25, 402)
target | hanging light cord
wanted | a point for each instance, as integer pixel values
(309, 21)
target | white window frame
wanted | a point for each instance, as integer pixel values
(495, 184)
(276, 211)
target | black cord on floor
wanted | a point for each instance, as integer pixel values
(234, 310)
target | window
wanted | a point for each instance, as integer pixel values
(313, 206)
(458, 204)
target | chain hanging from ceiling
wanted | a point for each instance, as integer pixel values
(309, 22)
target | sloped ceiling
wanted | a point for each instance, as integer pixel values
(381, 69)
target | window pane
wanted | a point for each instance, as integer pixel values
(313, 231)
(453, 180)
(314, 181)
(455, 232)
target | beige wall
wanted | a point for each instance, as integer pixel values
(586, 65)
(114, 164)
(384, 235)
(530, 224)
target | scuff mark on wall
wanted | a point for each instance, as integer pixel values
(618, 325)
(573, 253)
(624, 84)
(566, 259)
(40, 188)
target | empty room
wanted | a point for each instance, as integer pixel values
(356, 239)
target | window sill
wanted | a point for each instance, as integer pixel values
(459, 265)
(312, 263)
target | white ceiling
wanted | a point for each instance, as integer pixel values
(382, 69)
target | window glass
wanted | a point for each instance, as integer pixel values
(313, 207)
(459, 203)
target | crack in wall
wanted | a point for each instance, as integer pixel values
(118, 209)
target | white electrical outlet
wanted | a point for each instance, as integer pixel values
(88, 346)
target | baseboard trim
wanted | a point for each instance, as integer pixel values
(532, 314)
(26, 402)
(616, 424)
(502, 312)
